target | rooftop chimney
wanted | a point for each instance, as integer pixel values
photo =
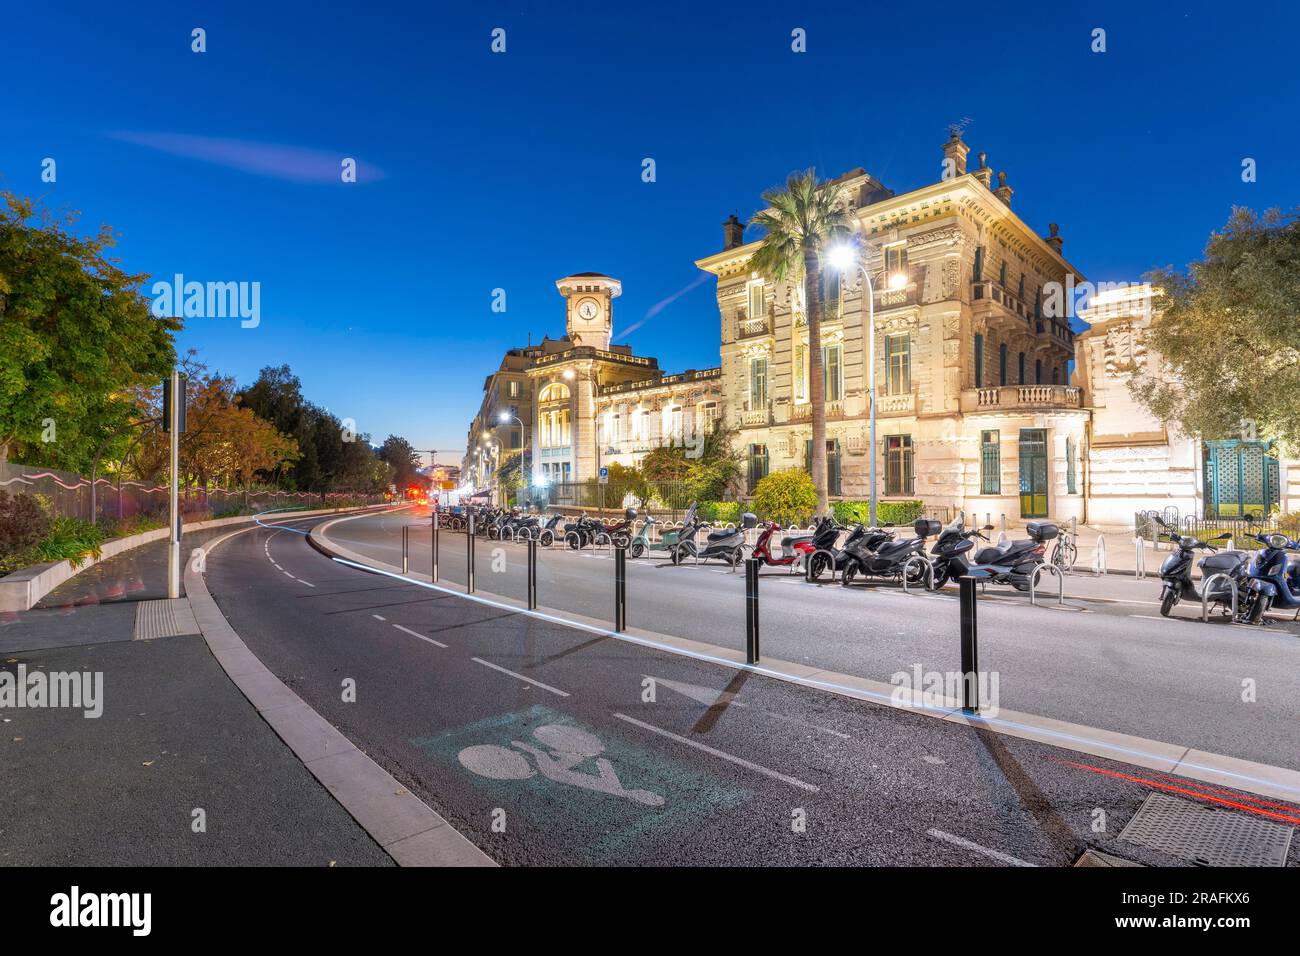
(984, 174)
(1003, 191)
(955, 150)
(1054, 240)
(733, 233)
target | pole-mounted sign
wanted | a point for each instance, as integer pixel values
(173, 425)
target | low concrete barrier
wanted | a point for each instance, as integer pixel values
(21, 590)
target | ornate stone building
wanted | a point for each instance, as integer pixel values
(974, 405)
(584, 402)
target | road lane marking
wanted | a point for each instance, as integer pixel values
(407, 630)
(379, 617)
(526, 680)
(985, 851)
(738, 761)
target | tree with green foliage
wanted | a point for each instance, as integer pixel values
(786, 497)
(397, 451)
(705, 469)
(77, 335)
(1228, 331)
(801, 221)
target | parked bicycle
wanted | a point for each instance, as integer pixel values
(1066, 551)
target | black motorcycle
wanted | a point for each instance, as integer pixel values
(950, 556)
(1176, 573)
(877, 554)
(824, 538)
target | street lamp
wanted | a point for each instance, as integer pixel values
(843, 257)
(504, 418)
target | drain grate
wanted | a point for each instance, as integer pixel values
(1207, 835)
(154, 619)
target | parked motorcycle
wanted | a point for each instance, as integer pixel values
(546, 533)
(620, 533)
(1014, 562)
(877, 554)
(726, 544)
(1274, 580)
(642, 545)
(950, 556)
(819, 563)
(797, 550)
(1176, 572)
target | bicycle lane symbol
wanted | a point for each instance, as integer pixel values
(565, 748)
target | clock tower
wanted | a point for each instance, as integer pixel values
(589, 307)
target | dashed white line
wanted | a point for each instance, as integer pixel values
(407, 630)
(526, 680)
(738, 761)
(975, 847)
(379, 617)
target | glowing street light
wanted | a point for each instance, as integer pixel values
(843, 257)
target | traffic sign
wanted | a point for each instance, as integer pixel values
(604, 476)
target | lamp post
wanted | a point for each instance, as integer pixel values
(842, 257)
(505, 417)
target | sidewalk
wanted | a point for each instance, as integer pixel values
(176, 744)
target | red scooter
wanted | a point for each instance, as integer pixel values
(795, 548)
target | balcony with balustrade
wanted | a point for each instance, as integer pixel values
(1020, 398)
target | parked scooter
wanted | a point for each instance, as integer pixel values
(818, 563)
(877, 554)
(798, 549)
(726, 544)
(1014, 562)
(546, 533)
(641, 545)
(952, 551)
(581, 533)
(1272, 583)
(620, 533)
(1176, 572)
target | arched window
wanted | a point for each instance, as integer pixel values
(555, 392)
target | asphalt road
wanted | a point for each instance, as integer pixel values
(548, 745)
(1113, 664)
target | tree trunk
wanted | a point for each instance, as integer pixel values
(816, 387)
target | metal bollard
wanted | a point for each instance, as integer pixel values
(970, 689)
(434, 575)
(1139, 557)
(469, 552)
(532, 574)
(406, 543)
(620, 590)
(751, 610)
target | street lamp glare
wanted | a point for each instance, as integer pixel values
(897, 280)
(503, 417)
(840, 256)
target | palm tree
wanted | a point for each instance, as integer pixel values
(800, 222)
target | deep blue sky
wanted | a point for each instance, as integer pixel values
(483, 171)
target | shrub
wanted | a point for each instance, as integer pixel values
(70, 539)
(22, 523)
(786, 497)
(720, 512)
(887, 512)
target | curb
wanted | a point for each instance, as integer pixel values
(1248, 776)
(407, 829)
(22, 589)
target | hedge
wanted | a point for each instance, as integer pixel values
(720, 512)
(887, 512)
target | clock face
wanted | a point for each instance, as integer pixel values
(588, 309)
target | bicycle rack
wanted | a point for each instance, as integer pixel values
(1033, 583)
(1099, 556)
(807, 563)
(609, 542)
(1206, 587)
(929, 572)
(576, 537)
